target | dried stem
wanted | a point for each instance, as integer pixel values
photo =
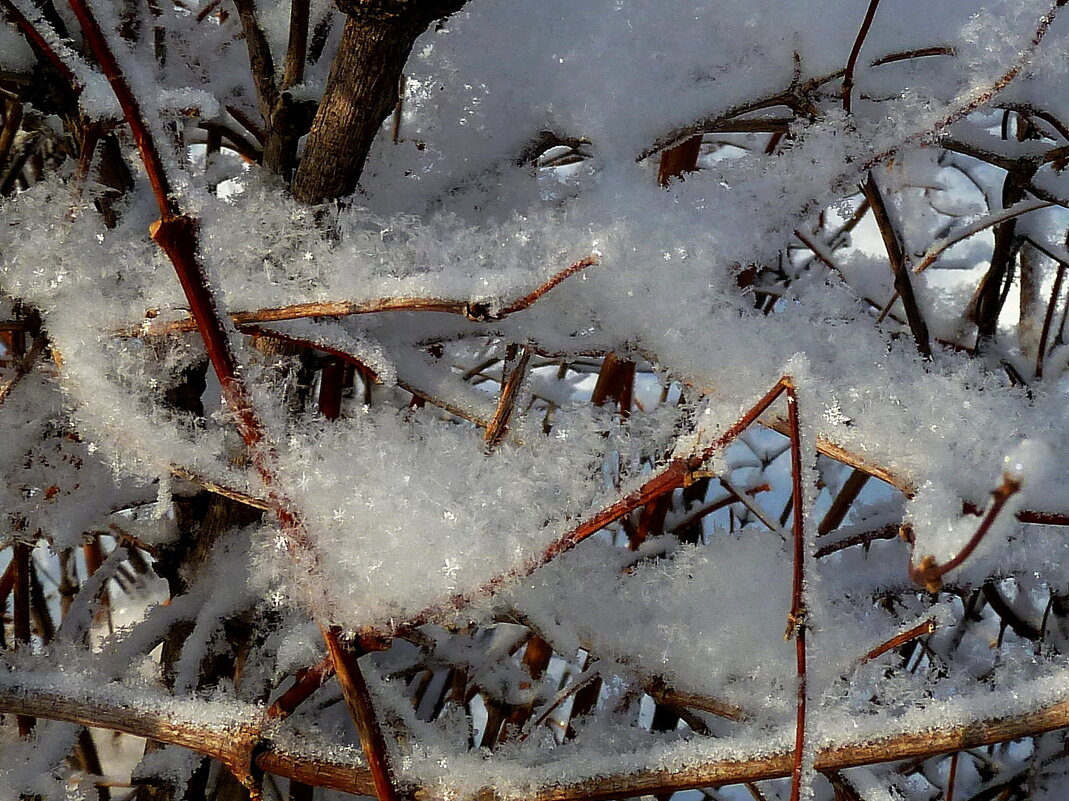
(23, 367)
(144, 719)
(480, 311)
(514, 372)
(1048, 317)
(305, 683)
(936, 249)
(176, 234)
(842, 502)
(358, 700)
(297, 45)
(920, 630)
(949, 796)
(897, 257)
(929, 573)
(797, 625)
(40, 44)
(889, 532)
(855, 51)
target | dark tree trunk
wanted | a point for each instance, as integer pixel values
(361, 91)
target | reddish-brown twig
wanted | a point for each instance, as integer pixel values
(796, 622)
(480, 311)
(23, 367)
(888, 532)
(680, 159)
(855, 51)
(305, 683)
(20, 612)
(929, 573)
(715, 506)
(514, 371)
(897, 257)
(1048, 317)
(671, 477)
(846, 496)
(921, 629)
(176, 234)
(952, 776)
(29, 30)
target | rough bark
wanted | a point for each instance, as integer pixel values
(361, 91)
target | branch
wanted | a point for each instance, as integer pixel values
(929, 573)
(142, 714)
(176, 234)
(937, 248)
(23, 367)
(514, 371)
(261, 64)
(896, 255)
(297, 46)
(676, 474)
(797, 625)
(478, 311)
(39, 43)
(927, 627)
(855, 51)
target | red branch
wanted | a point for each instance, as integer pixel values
(29, 30)
(929, 573)
(927, 627)
(855, 51)
(675, 475)
(796, 622)
(176, 234)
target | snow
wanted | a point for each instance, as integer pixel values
(408, 510)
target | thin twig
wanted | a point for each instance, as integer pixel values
(23, 367)
(1048, 317)
(855, 51)
(41, 44)
(929, 573)
(515, 371)
(297, 45)
(897, 257)
(480, 311)
(888, 532)
(305, 683)
(676, 474)
(842, 502)
(920, 630)
(949, 796)
(176, 234)
(936, 249)
(148, 718)
(797, 625)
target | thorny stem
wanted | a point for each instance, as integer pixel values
(176, 234)
(855, 51)
(929, 573)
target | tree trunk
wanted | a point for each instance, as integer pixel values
(361, 91)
